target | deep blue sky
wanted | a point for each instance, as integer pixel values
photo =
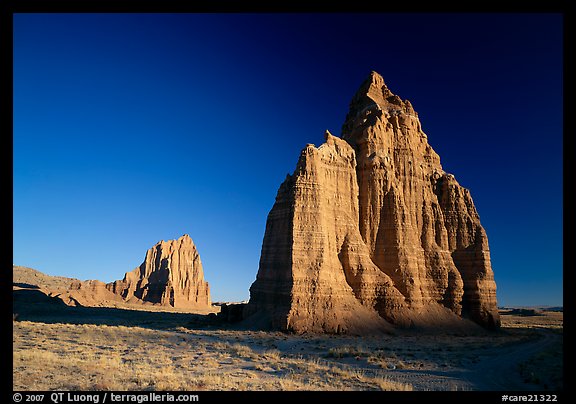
(133, 128)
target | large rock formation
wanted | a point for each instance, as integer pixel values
(369, 230)
(171, 275)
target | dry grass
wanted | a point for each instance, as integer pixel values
(106, 357)
(547, 319)
(100, 357)
(347, 351)
(545, 369)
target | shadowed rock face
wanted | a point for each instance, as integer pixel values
(369, 230)
(171, 275)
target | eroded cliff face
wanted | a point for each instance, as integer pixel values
(171, 275)
(370, 231)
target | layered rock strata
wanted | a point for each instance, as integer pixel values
(171, 275)
(370, 231)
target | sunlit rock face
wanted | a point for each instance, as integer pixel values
(370, 232)
(171, 275)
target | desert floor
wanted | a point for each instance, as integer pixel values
(58, 347)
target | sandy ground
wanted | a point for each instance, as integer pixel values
(113, 349)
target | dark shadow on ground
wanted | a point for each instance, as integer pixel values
(25, 285)
(33, 305)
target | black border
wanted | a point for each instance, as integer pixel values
(422, 397)
(295, 6)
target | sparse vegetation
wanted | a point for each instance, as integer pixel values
(544, 369)
(119, 357)
(100, 357)
(347, 351)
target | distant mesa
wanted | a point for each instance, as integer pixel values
(370, 232)
(170, 276)
(525, 312)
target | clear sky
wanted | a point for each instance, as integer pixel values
(135, 128)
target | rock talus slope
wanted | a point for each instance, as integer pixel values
(370, 231)
(171, 275)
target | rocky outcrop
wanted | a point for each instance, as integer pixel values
(90, 293)
(171, 275)
(370, 231)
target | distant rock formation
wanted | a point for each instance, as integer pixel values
(171, 275)
(69, 291)
(370, 231)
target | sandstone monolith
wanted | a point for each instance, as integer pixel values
(370, 231)
(171, 275)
